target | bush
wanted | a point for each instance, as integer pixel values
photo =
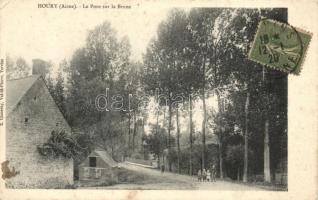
(211, 158)
(137, 156)
(60, 144)
(234, 160)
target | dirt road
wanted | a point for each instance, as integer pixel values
(171, 181)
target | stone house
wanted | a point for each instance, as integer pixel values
(99, 166)
(31, 116)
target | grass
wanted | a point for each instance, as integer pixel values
(123, 176)
(129, 176)
(263, 185)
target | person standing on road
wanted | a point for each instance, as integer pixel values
(162, 168)
(208, 175)
(204, 175)
(199, 175)
(213, 173)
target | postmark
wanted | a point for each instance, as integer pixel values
(280, 46)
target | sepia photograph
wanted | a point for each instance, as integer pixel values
(188, 111)
(109, 96)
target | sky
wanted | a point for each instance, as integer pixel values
(54, 34)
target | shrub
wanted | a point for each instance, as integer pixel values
(60, 144)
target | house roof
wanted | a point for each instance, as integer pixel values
(16, 89)
(106, 158)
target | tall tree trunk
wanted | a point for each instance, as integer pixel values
(246, 138)
(169, 136)
(159, 163)
(238, 173)
(164, 124)
(157, 122)
(191, 135)
(178, 140)
(203, 129)
(164, 118)
(267, 172)
(112, 147)
(221, 156)
(129, 132)
(157, 132)
(134, 132)
(143, 126)
(143, 134)
(204, 113)
(220, 138)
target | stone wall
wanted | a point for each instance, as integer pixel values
(29, 125)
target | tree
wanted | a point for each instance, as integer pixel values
(17, 69)
(178, 140)
(200, 20)
(234, 155)
(9, 67)
(164, 60)
(58, 93)
(98, 72)
(41, 67)
(156, 141)
(134, 88)
(211, 35)
(189, 51)
(243, 27)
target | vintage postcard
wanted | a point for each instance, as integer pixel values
(151, 100)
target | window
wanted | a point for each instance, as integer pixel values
(92, 161)
(34, 98)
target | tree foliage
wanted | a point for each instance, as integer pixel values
(16, 69)
(62, 144)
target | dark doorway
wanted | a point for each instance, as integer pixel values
(92, 161)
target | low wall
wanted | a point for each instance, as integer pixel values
(139, 161)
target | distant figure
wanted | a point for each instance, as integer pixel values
(208, 175)
(199, 175)
(213, 173)
(162, 168)
(204, 175)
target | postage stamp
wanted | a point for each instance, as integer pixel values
(280, 46)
